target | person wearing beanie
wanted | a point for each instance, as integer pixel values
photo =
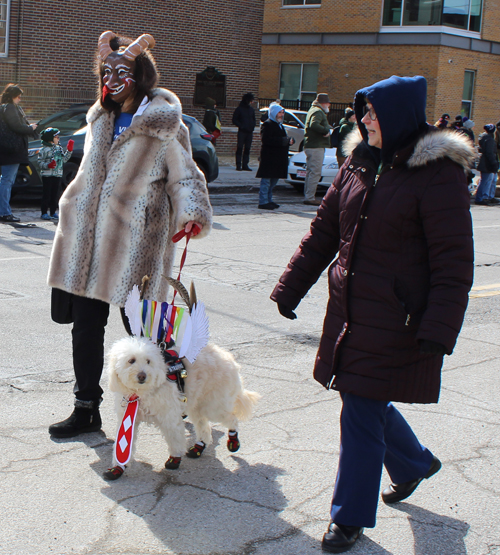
(51, 158)
(244, 119)
(488, 166)
(273, 155)
(347, 124)
(316, 139)
(395, 232)
(137, 186)
(468, 125)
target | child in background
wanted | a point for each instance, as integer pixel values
(51, 159)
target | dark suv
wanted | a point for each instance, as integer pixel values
(71, 122)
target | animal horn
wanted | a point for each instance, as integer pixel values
(177, 285)
(138, 46)
(144, 286)
(103, 44)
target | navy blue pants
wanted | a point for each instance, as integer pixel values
(373, 433)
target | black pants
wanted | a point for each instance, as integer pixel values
(50, 198)
(243, 148)
(90, 317)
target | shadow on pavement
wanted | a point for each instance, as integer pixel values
(434, 533)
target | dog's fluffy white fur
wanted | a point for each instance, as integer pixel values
(213, 388)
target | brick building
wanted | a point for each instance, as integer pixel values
(48, 47)
(311, 46)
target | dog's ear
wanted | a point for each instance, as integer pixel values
(112, 372)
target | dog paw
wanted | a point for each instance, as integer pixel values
(173, 463)
(233, 443)
(195, 451)
(113, 473)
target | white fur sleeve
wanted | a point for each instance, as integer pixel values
(186, 185)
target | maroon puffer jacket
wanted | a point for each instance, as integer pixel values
(403, 271)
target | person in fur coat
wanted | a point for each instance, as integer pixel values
(395, 229)
(137, 185)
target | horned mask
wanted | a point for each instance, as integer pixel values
(131, 51)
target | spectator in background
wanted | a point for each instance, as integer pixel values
(316, 139)
(15, 131)
(347, 124)
(211, 119)
(273, 155)
(468, 125)
(244, 119)
(51, 159)
(488, 166)
(457, 124)
(497, 138)
(442, 122)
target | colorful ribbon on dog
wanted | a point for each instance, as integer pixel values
(123, 443)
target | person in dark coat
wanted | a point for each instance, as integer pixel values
(19, 129)
(211, 119)
(488, 166)
(273, 155)
(244, 119)
(396, 230)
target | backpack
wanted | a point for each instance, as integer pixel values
(334, 137)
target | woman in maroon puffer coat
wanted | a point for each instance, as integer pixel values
(397, 226)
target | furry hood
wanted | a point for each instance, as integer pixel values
(156, 121)
(432, 146)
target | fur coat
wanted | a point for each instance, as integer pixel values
(401, 255)
(129, 197)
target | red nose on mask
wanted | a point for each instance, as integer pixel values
(105, 92)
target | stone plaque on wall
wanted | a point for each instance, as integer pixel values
(210, 83)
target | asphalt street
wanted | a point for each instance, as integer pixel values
(272, 497)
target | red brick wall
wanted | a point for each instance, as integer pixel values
(52, 46)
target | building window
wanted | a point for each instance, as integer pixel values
(461, 14)
(4, 26)
(468, 92)
(298, 81)
(301, 2)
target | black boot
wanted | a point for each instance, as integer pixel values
(84, 418)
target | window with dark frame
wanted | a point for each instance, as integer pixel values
(468, 93)
(461, 14)
(298, 81)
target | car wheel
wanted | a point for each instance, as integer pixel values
(301, 146)
(69, 172)
(203, 167)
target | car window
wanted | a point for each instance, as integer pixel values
(300, 116)
(290, 120)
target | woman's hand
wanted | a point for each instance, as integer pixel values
(193, 227)
(291, 141)
(33, 125)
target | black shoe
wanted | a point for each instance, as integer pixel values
(483, 202)
(10, 218)
(247, 169)
(398, 492)
(268, 206)
(238, 168)
(85, 418)
(340, 538)
(275, 205)
(494, 201)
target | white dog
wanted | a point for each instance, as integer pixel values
(213, 388)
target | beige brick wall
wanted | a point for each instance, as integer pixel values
(334, 16)
(345, 69)
(491, 20)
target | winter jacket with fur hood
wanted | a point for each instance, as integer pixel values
(129, 197)
(400, 251)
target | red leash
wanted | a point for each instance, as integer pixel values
(175, 239)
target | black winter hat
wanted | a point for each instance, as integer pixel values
(349, 113)
(47, 135)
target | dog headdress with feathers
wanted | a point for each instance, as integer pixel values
(162, 322)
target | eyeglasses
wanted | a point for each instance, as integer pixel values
(371, 111)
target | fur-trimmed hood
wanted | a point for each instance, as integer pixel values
(430, 147)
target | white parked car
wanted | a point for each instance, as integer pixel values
(294, 123)
(297, 169)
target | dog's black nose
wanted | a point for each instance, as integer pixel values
(141, 377)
